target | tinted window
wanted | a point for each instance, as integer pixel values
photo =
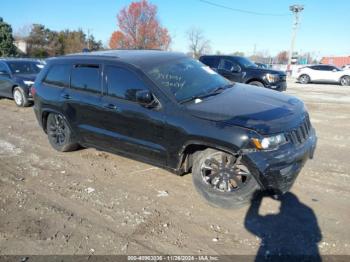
(58, 75)
(123, 83)
(86, 77)
(3, 68)
(314, 67)
(245, 62)
(25, 67)
(226, 65)
(211, 61)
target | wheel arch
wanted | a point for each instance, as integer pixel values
(255, 80)
(190, 148)
(45, 113)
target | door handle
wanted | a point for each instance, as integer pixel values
(66, 96)
(111, 106)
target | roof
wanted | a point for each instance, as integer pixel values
(139, 58)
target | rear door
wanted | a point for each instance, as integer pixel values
(131, 128)
(81, 102)
(314, 72)
(5, 81)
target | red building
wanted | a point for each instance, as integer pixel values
(336, 60)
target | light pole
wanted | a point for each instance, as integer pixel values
(296, 9)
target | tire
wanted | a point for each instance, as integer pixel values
(256, 83)
(59, 134)
(231, 198)
(304, 79)
(345, 81)
(20, 98)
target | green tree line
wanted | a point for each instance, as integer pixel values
(43, 42)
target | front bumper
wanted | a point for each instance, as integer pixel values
(278, 169)
(279, 86)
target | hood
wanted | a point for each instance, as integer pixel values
(263, 110)
(25, 77)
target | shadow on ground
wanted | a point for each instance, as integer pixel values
(292, 234)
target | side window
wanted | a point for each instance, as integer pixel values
(3, 68)
(123, 83)
(228, 65)
(58, 75)
(210, 61)
(86, 77)
(326, 68)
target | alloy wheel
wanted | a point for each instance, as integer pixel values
(225, 172)
(57, 130)
(17, 95)
(345, 81)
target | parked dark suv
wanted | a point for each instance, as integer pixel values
(242, 70)
(172, 111)
(17, 77)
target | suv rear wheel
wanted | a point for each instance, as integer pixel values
(304, 79)
(59, 134)
(222, 179)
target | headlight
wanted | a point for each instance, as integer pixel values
(270, 142)
(272, 78)
(28, 82)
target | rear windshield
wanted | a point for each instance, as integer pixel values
(25, 67)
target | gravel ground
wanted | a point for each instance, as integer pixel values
(92, 202)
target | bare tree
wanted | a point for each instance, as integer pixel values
(198, 44)
(23, 32)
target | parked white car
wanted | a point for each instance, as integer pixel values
(324, 74)
(346, 67)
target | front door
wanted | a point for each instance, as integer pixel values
(230, 70)
(132, 128)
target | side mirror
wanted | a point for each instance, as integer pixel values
(334, 70)
(144, 97)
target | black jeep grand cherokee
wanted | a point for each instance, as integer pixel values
(172, 111)
(242, 70)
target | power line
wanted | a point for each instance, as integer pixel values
(242, 10)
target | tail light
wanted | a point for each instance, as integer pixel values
(33, 91)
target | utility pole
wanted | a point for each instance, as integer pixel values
(296, 9)
(88, 39)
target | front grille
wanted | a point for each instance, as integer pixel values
(301, 133)
(283, 78)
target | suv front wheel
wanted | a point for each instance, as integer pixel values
(19, 97)
(59, 133)
(224, 180)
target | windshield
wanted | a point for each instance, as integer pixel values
(245, 62)
(25, 67)
(186, 78)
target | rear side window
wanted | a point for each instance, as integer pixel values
(123, 83)
(86, 77)
(58, 75)
(211, 61)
